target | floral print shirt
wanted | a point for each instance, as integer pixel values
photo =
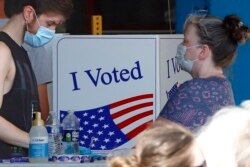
(196, 100)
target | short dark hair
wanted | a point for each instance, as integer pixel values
(63, 7)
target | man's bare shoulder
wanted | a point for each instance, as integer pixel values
(5, 53)
(6, 60)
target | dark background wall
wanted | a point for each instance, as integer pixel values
(121, 15)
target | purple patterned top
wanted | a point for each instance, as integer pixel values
(196, 100)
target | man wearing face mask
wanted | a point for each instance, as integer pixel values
(209, 46)
(39, 48)
(18, 91)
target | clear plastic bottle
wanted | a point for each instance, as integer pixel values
(38, 146)
(70, 140)
(54, 133)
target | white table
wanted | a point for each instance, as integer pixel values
(54, 164)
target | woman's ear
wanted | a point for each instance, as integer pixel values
(28, 13)
(205, 52)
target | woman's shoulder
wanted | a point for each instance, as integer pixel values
(212, 84)
(198, 82)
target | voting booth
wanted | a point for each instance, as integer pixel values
(116, 85)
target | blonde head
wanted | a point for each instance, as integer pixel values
(225, 138)
(167, 145)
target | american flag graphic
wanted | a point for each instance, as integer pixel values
(110, 126)
(172, 91)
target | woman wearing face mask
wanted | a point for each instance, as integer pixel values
(18, 88)
(209, 46)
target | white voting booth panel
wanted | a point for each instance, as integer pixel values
(116, 84)
(170, 72)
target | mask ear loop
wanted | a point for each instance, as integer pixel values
(27, 27)
(200, 57)
(198, 45)
(36, 17)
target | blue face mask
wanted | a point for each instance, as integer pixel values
(185, 63)
(42, 36)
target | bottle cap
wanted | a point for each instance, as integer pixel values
(52, 118)
(38, 120)
(71, 111)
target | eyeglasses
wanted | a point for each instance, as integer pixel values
(200, 11)
(204, 164)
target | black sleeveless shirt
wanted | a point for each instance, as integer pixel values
(18, 102)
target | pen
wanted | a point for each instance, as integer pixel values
(15, 160)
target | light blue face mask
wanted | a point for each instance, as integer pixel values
(185, 63)
(42, 36)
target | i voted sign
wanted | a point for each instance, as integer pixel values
(110, 83)
(115, 84)
(99, 76)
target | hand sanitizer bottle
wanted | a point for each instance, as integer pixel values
(38, 146)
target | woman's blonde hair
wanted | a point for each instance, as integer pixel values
(167, 145)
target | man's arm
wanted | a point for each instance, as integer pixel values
(5, 66)
(44, 101)
(13, 135)
(8, 132)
